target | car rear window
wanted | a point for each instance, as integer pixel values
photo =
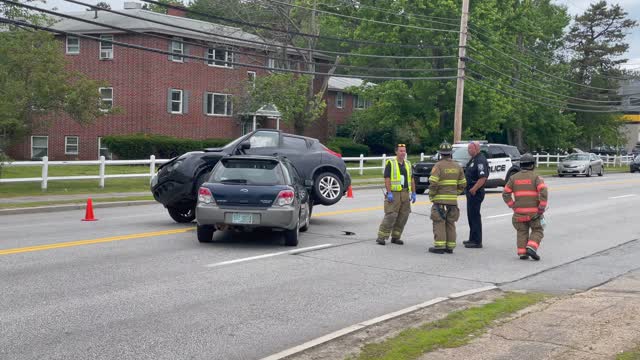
(249, 171)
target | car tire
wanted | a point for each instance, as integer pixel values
(307, 219)
(589, 172)
(560, 175)
(291, 236)
(182, 215)
(574, 175)
(601, 173)
(205, 233)
(420, 191)
(327, 188)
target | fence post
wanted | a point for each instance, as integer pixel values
(361, 164)
(421, 156)
(384, 160)
(548, 159)
(102, 165)
(45, 172)
(152, 165)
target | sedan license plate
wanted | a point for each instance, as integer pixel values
(424, 179)
(239, 218)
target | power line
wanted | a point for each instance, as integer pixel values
(50, 12)
(479, 82)
(321, 37)
(473, 61)
(261, 43)
(164, 52)
(360, 19)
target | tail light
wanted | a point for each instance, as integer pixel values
(331, 152)
(285, 197)
(205, 196)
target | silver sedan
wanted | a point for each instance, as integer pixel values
(581, 164)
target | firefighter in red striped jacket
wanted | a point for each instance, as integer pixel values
(526, 194)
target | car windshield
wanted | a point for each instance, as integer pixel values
(461, 154)
(247, 171)
(577, 157)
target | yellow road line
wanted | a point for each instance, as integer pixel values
(317, 215)
(92, 241)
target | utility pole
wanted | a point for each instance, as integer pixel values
(462, 53)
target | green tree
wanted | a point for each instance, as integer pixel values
(597, 42)
(34, 84)
(159, 8)
(288, 92)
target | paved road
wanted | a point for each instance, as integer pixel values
(135, 285)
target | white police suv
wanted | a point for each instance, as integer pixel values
(504, 160)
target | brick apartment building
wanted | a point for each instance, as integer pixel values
(168, 94)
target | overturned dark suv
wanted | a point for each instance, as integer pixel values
(177, 182)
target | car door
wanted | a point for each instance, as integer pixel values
(596, 163)
(263, 142)
(499, 163)
(296, 150)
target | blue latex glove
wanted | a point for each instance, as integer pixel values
(390, 196)
(413, 197)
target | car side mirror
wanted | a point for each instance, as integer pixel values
(245, 145)
(308, 183)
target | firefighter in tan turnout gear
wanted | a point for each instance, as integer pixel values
(526, 194)
(400, 189)
(446, 182)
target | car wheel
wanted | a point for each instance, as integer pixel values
(589, 172)
(307, 219)
(205, 233)
(328, 188)
(291, 236)
(560, 175)
(574, 175)
(182, 215)
(420, 191)
(601, 173)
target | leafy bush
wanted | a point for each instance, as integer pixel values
(141, 146)
(347, 147)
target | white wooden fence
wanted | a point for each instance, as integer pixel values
(373, 163)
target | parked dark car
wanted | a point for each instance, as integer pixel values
(247, 192)
(422, 171)
(177, 182)
(635, 164)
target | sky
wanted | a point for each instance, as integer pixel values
(574, 7)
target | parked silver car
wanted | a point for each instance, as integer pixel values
(581, 164)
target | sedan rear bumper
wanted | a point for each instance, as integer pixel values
(273, 217)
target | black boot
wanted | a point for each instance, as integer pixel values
(524, 257)
(448, 251)
(472, 245)
(397, 241)
(436, 250)
(381, 241)
(534, 255)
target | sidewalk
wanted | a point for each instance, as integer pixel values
(596, 324)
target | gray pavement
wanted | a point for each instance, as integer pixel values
(135, 285)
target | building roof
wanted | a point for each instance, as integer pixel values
(217, 31)
(337, 83)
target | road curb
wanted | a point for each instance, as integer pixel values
(364, 324)
(67, 207)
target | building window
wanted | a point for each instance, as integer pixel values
(177, 47)
(360, 103)
(39, 147)
(103, 150)
(106, 99)
(73, 45)
(71, 145)
(176, 101)
(251, 76)
(219, 57)
(106, 47)
(218, 104)
(340, 100)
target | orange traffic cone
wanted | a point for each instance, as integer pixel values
(88, 216)
(349, 192)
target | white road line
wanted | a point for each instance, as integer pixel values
(359, 326)
(622, 196)
(290, 252)
(497, 216)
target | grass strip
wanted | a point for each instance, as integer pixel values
(629, 355)
(455, 330)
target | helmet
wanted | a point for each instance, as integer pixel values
(445, 148)
(527, 161)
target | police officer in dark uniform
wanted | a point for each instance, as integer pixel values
(476, 173)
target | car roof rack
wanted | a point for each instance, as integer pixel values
(468, 141)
